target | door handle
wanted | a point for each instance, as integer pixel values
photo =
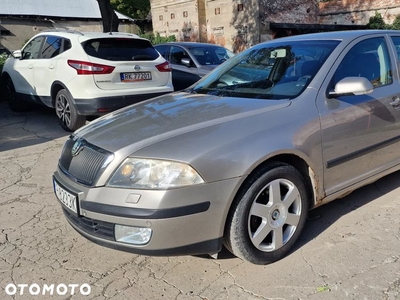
(51, 66)
(30, 66)
(395, 102)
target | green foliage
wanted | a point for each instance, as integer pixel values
(3, 58)
(377, 22)
(157, 39)
(324, 288)
(396, 23)
(136, 9)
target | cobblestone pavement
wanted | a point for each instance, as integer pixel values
(350, 248)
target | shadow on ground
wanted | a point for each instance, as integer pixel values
(321, 218)
(36, 126)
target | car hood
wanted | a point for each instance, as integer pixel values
(137, 126)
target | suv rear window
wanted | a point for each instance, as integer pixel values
(120, 49)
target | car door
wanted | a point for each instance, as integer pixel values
(23, 76)
(182, 75)
(360, 134)
(44, 68)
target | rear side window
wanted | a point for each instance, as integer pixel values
(163, 50)
(51, 47)
(121, 49)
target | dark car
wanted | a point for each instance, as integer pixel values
(190, 61)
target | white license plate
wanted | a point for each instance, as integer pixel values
(136, 76)
(66, 198)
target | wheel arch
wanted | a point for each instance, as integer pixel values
(3, 77)
(234, 237)
(308, 174)
(5, 74)
(55, 88)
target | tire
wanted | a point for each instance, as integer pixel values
(262, 226)
(15, 103)
(66, 112)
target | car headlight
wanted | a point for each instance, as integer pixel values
(154, 174)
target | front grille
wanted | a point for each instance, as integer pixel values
(87, 162)
(92, 227)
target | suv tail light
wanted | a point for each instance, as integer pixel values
(88, 68)
(164, 67)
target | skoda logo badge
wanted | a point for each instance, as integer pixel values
(137, 68)
(77, 147)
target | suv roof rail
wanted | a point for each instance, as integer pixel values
(63, 30)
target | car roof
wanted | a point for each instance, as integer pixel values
(189, 44)
(337, 35)
(89, 35)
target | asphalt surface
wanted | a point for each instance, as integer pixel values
(350, 248)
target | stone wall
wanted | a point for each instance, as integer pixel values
(238, 24)
(357, 12)
(233, 24)
(289, 11)
(176, 17)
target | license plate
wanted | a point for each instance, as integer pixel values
(67, 199)
(136, 76)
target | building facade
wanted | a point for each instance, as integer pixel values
(18, 23)
(239, 24)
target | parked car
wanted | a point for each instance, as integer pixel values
(191, 61)
(240, 157)
(84, 74)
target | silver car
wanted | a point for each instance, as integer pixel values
(240, 158)
(190, 61)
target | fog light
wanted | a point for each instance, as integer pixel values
(132, 235)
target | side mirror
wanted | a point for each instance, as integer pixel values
(17, 54)
(352, 86)
(186, 62)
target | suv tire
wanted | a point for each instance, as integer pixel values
(66, 112)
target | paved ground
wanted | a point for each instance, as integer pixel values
(349, 249)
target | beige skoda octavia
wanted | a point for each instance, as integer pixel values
(240, 157)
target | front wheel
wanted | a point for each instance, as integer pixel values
(268, 216)
(66, 112)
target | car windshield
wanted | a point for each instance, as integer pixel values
(210, 55)
(120, 49)
(277, 70)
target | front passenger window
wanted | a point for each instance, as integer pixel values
(32, 49)
(369, 59)
(177, 54)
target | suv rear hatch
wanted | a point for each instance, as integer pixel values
(135, 63)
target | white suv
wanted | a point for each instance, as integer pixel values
(84, 74)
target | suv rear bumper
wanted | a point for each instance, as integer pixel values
(103, 105)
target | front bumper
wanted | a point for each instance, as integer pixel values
(183, 221)
(102, 105)
(102, 233)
